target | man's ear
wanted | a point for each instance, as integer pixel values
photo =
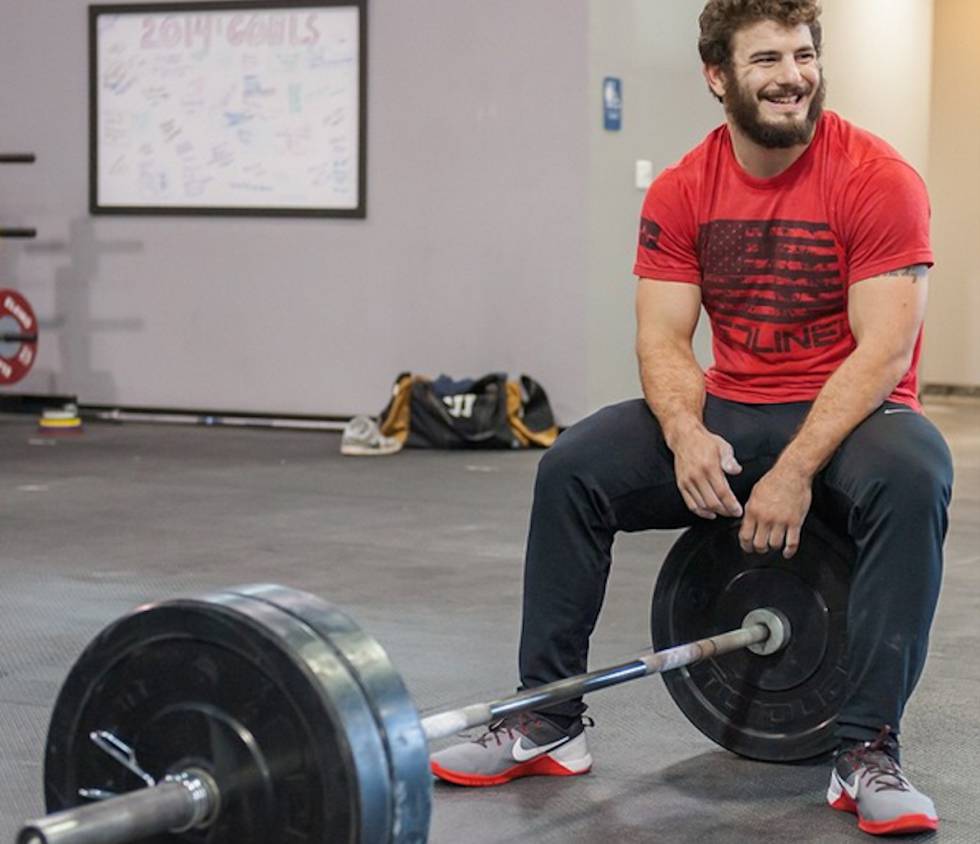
(714, 75)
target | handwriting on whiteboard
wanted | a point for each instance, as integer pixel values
(240, 30)
(229, 108)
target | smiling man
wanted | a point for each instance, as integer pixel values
(806, 241)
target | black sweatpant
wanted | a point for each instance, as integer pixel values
(888, 486)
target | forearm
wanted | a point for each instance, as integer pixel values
(860, 384)
(673, 385)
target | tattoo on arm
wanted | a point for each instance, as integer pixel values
(917, 271)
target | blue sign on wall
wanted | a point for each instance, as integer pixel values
(612, 103)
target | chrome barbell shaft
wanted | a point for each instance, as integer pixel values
(183, 802)
(443, 724)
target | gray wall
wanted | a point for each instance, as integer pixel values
(472, 257)
(667, 109)
(501, 223)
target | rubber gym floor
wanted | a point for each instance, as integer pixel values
(424, 550)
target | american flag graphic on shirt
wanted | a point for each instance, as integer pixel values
(773, 285)
(649, 233)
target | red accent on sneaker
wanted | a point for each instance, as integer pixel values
(541, 766)
(901, 825)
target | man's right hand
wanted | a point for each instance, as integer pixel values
(673, 383)
(701, 462)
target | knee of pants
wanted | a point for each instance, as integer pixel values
(914, 483)
(559, 467)
(570, 479)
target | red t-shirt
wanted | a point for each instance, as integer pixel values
(775, 257)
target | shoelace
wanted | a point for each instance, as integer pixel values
(880, 771)
(520, 723)
(506, 726)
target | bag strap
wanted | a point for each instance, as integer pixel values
(529, 413)
(396, 418)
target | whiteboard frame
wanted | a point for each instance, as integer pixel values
(359, 211)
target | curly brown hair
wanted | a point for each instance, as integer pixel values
(721, 19)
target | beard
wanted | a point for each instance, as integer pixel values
(744, 109)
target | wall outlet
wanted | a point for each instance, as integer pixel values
(644, 173)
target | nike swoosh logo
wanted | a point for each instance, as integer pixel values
(525, 754)
(898, 410)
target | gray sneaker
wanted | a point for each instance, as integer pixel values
(868, 782)
(362, 438)
(518, 746)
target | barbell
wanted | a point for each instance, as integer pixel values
(265, 714)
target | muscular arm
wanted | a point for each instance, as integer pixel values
(885, 314)
(673, 384)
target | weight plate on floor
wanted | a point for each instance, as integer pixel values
(395, 714)
(243, 690)
(781, 707)
(16, 319)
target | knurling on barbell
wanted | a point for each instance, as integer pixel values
(764, 626)
(264, 708)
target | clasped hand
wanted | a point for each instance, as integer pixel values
(774, 514)
(701, 462)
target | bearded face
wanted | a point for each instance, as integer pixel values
(772, 87)
(774, 117)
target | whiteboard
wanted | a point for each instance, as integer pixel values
(228, 108)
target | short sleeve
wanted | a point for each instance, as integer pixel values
(884, 215)
(667, 248)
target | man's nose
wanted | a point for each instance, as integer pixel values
(788, 72)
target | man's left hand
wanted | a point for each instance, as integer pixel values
(775, 512)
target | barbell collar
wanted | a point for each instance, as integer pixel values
(780, 631)
(444, 724)
(184, 801)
